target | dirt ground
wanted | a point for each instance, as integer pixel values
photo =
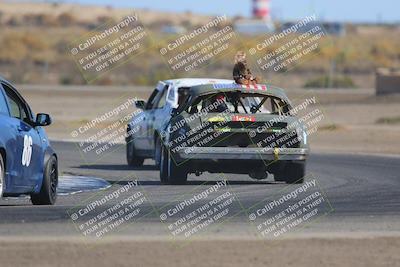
(349, 124)
(340, 251)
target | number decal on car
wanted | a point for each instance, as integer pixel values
(27, 152)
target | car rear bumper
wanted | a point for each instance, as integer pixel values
(215, 153)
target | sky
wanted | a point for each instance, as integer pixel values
(387, 11)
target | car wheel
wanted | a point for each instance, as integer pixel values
(177, 174)
(48, 190)
(157, 152)
(131, 157)
(164, 165)
(293, 173)
(170, 172)
(2, 175)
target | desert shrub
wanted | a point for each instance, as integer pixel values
(66, 80)
(14, 21)
(16, 47)
(106, 80)
(141, 80)
(12, 49)
(40, 20)
(388, 120)
(33, 42)
(106, 19)
(66, 19)
(325, 82)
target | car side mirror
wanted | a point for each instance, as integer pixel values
(42, 119)
(140, 104)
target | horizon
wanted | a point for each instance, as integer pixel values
(384, 11)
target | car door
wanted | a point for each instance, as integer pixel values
(158, 116)
(28, 160)
(140, 137)
(8, 142)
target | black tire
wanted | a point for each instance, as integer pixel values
(131, 157)
(163, 165)
(157, 152)
(48, 191)
(292, 173)
(170, 172)
(2, 176)
(177, 175)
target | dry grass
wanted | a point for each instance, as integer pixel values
(35, 40)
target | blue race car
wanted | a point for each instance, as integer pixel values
(28, 164)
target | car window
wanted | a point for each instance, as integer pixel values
(239, 103)
(14, 108)
(3, 104)
(183, 96)
(161, 98)
(171, 95)
(151, 100)
(17, 108)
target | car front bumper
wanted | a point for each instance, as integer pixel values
(216, 153)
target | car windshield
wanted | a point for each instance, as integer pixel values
(238, 102)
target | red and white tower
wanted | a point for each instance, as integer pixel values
(261, 9)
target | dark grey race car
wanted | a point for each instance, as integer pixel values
(204, 125)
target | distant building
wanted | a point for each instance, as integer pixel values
(261, 10)
(261, 22)
(332, 28)
(253, 27)
(387, 81)
(173, 29)
(335, 28)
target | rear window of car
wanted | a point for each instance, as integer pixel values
(239, 103)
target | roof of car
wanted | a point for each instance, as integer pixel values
(189, 82)
(2, 79)
(264, 89)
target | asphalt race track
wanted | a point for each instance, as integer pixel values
(361, 194)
